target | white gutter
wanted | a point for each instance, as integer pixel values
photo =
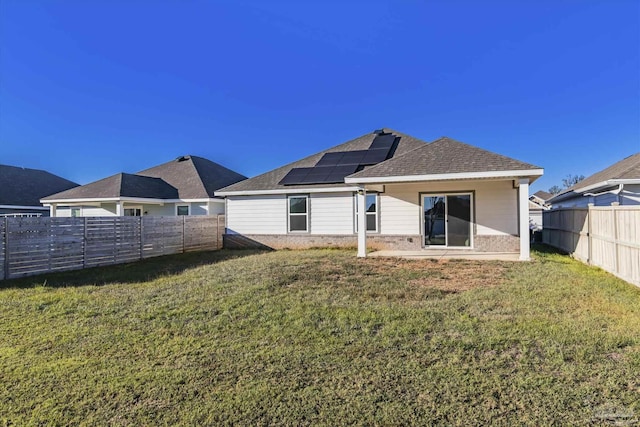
(104, 199)
(23, 207)
(616, 192)
(286, 191)
(447, 176)
(608, 183)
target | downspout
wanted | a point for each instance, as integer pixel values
(616, 192)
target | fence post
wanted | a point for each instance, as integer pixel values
(183, 221)
(141, 236)
(589, 237)
(614, 212)
(84, 243)
(6, 248)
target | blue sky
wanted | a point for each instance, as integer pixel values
(92, 88)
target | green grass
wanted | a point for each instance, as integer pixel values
(321, 338)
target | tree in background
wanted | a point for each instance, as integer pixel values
(567, 182)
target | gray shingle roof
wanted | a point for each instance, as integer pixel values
(543, 195)
(194, 177)
(627, 168)
(443, 156)
(25, 187)
(188, 177)
(270, 180)
(120, 185)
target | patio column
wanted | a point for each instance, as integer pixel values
(52, 209)
(362, 222)
(523, 210)
(119, 210)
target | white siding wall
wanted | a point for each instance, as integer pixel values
(216, 208)
(332, 213)
(630, 195)
(168, 209)
(107, 209)
(198, 209)
(257, 215)
(496, 206)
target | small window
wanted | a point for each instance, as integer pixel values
(371, 205)
(75, 212)
(298, 213)
(133, 212)
(182, 210)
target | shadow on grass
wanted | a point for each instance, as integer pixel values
(139, 271)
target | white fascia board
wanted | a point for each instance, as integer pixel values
(286, 191)
(42, 208)
(448, 176)
(104, 199)
(192, 200)
(608, 183)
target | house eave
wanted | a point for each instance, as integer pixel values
(291, 190)
(532, 174)
(578, 192)
(23, 207)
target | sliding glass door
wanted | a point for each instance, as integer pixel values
(447, 220)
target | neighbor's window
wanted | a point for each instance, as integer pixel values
(75, 212)
(182, 210)
(371, 205)
(298, 213)
(133, 212)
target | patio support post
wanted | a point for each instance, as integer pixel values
(362, 222)
(119, 210)
(52, 209)
(523, 210)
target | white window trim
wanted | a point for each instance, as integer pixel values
(376, 213)
(306, 214)
(187, 205)
(472, 224)
(125, 207)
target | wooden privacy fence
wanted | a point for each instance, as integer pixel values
(31, 246)
(605, 236)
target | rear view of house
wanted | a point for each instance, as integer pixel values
(387, 190)
(184, 186)
(21, 190)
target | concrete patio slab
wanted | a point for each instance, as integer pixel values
(448, 254)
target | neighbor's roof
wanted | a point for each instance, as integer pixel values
(187, 177)
(626, 169)
(120, 185)
(270, 180)
(194, 177)
(543, 195)
(25, 187)
(440, 157)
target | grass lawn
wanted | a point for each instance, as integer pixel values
(320, 337)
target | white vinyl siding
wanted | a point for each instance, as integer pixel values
(257, 215)
(332, 213)
(495, 206)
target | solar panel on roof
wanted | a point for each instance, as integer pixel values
(333, 167)
(331, 159)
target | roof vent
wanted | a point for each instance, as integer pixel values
(183, 158)
(379, 132)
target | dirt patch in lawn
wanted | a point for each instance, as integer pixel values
(451, 276)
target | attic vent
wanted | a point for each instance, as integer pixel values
(183, 158)
(379, 132)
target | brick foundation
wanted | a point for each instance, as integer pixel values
(374, 241)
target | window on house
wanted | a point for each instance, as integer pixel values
(133, 212)
(298, 211)
(75, 212)
(182, 210)
(371, 205)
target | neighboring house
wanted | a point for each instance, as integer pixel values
(618, 183)
(21, 190)
(387, 190)
(184, 186)
(537, 204)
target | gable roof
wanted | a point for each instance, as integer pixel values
(271, 180)
(443, 156)
(626, 169)
(543, 195)
(25, 187)
(187, 177)
(120, 185)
